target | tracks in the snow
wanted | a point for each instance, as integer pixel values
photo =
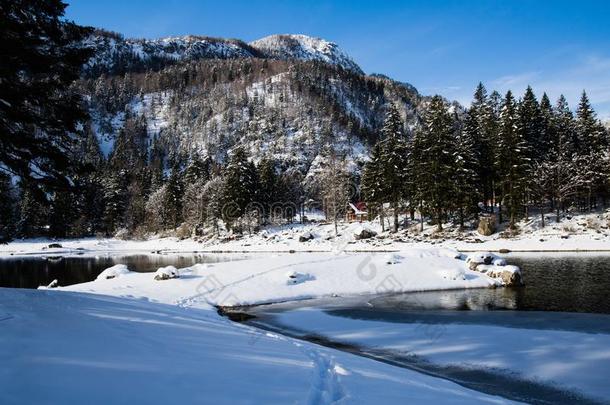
(508, 386)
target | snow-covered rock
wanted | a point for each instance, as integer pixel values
(295, 277)
(474, 259)
(165, 273)
(112, 272)
(306, 237)
(363, 232)
(52, 284)
(494, 267)
(487, 225)
(508, 274)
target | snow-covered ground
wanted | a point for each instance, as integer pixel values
(299, 276)
(578, 233)
(125, 344)
(573, 360)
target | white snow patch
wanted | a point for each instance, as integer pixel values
(113, 272)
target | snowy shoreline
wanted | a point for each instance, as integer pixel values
(584, 233)
(120, 308)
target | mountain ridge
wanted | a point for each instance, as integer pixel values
(112, 51)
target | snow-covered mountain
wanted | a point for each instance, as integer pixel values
(303, 47)
(115, 54)
(283, 96)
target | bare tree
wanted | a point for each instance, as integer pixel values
(335, 187)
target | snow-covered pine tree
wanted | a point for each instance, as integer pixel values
(590, 131)
(417, 169)
(530, 128)
(591, 150)
(213, 193)
(291, 194)
(495, 108)
(540, 185)
(513, 160)
(62, 214)
(241, 184)
(466, 192)
(172, 201)
(32, 216)
(268, 192)
(39, 112)
(394, 162)
(530, 125)
(565, 180)
(373, 185)
(115, 200)
(197, 170)
(435, 166)
(547, 129)
(476, 132)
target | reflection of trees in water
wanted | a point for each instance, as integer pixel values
(565, 284)
(40, 271)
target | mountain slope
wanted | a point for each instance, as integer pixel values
(285, 96)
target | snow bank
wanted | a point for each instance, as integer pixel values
(301, 276)
(82, 348)
(112, 272)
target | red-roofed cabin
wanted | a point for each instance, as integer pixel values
(356, 212)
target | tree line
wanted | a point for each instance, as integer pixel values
(501, 155)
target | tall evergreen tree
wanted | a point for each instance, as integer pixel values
(466, 193)
(373, 185)
(435, 144)
(7, 209)
(32, 219)
(590, 132)
(269, 191)
(530, 126)
(42, 54)
(513, 158)
(475, 132)
(591, 150)
(62, 214)
(172, 201)
(115, 200)
(394, 162)
(547, 127)
(240, 186)
(560, 165)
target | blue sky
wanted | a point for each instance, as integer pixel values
(443, 46)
